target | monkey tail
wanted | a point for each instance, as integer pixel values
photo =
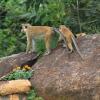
(76, 46)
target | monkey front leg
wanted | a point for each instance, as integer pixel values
(29, 44)
(70, 47)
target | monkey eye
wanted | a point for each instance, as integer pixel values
(25, 26)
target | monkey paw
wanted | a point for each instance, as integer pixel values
(46, 53)
(70, 51)
(64, 45)
(28, 52)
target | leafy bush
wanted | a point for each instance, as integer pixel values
(18, 74)
(33, 96)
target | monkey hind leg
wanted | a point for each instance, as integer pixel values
(28, 48)
(64, 45)
(47, 44)
(47, 52)
(70, 47)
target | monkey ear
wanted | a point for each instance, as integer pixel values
(60, 26)
(28, 24)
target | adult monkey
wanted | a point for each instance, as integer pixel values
(33, 32)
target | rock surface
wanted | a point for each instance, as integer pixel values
(63, 76)
(7, 64)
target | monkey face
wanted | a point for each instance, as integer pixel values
(24, 27)
(63, 29)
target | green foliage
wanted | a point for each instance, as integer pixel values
(18, 74)
(51, 13)
(33, 96)
(40, 44)
(9, 43)
(79, 15)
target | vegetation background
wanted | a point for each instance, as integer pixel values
(79, 15)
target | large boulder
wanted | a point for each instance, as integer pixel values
(63, 76)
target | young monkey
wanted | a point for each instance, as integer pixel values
(32, 32)
(69, 37)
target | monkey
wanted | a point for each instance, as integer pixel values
(33, 32)
(69, 39)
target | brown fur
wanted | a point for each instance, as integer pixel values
(66, 32)
(68, 36)
(36, 31)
